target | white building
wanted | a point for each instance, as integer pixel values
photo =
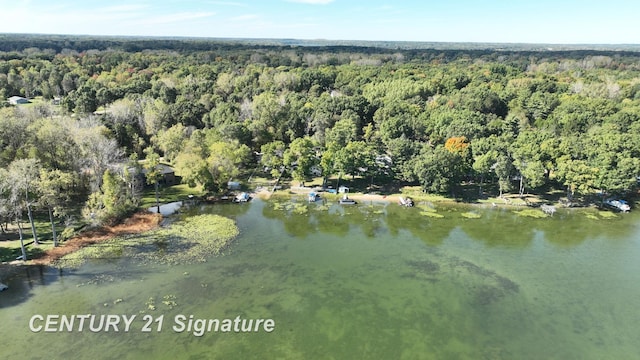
(16, 100)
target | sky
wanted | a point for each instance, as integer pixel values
(496, 21)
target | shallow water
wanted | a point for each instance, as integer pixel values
(368, 281)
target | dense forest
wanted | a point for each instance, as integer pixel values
(518, 120)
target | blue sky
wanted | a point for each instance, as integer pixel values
(542, 21)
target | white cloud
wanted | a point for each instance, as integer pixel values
(246, 17)
(227, 3)
(123, 8)
(313, 2)
(175, 18)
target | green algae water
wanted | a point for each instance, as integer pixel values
(371, 281)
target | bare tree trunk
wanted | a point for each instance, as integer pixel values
(157, 197)
(24, 251)
(33, 226)
(521, 185)
(53, 228)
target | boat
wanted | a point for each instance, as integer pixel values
(346, 201)
(3, 287)
(313, 197)
(618, 204)
(408, 202)
(243, 197)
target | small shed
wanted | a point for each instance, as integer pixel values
(17, 100)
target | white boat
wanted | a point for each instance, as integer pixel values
(244, 197)
(3, 287)
(346, 201)
(408, 202)
(618, 204)
(313, 197)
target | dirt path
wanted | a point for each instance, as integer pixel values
(138, 223)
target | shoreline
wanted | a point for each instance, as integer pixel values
(511, 201)
(144, 221)
(138, 223)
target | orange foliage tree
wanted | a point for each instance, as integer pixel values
(457, 145)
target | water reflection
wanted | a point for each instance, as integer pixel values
(493, 227)
(366, 281)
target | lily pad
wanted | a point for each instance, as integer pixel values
(533, 213)
(471, 215)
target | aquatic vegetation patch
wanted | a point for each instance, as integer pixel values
(169, 301)
(193, 239)
(471, 215)
(607, 215)
(424, 266)
(429, 211)
(486, 295)
(532, 213)
(278, 206)
(323, 207)
(431, 214)
(601, 215)
(300, 209)
(109, 249)
(492, 286)
(189, 240)
(98, 279)
(151, 304)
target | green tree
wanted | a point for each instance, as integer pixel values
(54, 189)
(300, 157)
(273, 156)
(225, 162)
(355, 158)
(153, 172)
(111, 203)
(504, 170)
(12, 203)
(529, 160)
(23, 175)
(268, 114)
(616, 157)
(171, 141)
(577, 176)
(344, 131)
(439, 170)
(192, 168)
(54, 144)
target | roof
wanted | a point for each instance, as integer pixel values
(18, 99)
(164, 169)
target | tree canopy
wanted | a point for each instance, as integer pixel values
(520, 118)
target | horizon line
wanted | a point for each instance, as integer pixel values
(324, 40)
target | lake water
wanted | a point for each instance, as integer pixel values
(371, 281)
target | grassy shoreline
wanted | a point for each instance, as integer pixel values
(46, 254)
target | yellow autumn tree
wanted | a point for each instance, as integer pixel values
(457, 145)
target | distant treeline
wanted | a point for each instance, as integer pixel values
(81, 43)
